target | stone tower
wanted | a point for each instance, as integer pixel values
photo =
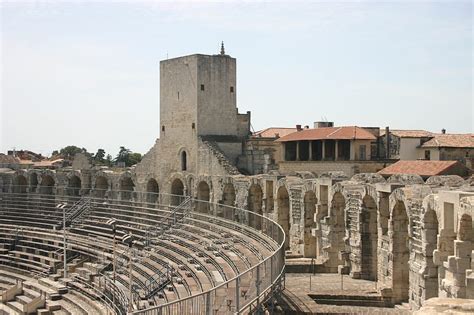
(201, 131)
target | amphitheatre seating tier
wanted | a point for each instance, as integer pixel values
(197, 253)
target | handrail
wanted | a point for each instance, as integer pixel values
(102, 297)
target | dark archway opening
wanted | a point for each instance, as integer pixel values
(20, 185)
(283, 204)
(74, 186)
(369, 239)
(152, 190)
(254, 204)
(203, 195)
(400, 252)
(177, 192)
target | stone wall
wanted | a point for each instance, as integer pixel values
(350, 168)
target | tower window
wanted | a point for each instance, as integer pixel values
(202, 87)
(162, 128)
(231, 89)
(183, 161)
(193, 125)
(178, 95)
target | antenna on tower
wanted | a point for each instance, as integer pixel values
(222, 48)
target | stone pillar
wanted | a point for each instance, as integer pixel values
(323, 155)
(310, 153)
(335, 150)
(297, 150)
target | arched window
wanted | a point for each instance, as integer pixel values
(183, 161)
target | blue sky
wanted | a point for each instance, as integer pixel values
(86, 73)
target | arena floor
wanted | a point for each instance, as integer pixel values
(297, 291)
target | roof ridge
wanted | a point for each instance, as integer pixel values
(330, 134)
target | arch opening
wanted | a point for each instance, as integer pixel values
(400, 252)
(152, 190)
(310, 201)
(228, 200)
(126, 188)
(369, 239)
(430, 241)
(283, 203)
(33, 182)
(47, 185)
(20, 185)
(333, 240)
(177, 192)
(74, 186)
(203, 195)
(184, 161)
(254, 204)
(101, 186)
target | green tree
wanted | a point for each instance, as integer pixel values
(100, 156)
(108, 160)
(127, 157)
(70, 151)
(134, 158)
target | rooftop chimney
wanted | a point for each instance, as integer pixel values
(298, 128)
(443, 131)
(306, 127)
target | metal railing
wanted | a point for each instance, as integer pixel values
(244, 293)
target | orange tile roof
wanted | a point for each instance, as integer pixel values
(272, 132)
(450, 141)
(407, 133)
(8, 159)
(329, 133)
(419, 167)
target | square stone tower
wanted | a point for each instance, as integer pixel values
(198, 103)
(198, 93)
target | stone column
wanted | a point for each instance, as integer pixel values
(297, 150)
(335, 150)
(310, 148)
(323, 155)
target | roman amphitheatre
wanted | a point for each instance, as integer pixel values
(217, 219)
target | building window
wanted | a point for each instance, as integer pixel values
(184, 161)
(178, 95)
(362, 155)
(202, 87)
(427, 155)
(193, 125)
(162, 128)
(231, 89)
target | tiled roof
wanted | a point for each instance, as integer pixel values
(272, 132)
(330, 133)
(420, 167)
(450, 141)
(408, 133)
(8, 159)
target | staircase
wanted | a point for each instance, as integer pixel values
(20, 300)
(74, 213)
(222, 159)
(174, 218)
(157, 282)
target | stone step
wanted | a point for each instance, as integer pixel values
(403, 306)
(30, 293)
(23, 299)
(5, 309)
(16, 306)
(43, 311)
